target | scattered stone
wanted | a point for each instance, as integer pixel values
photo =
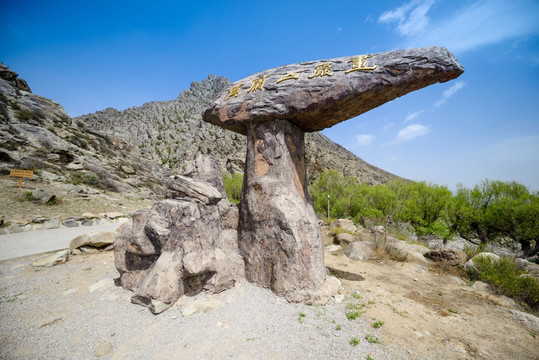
(74, 166)
(44, 196)
(345, 224)
(14, 229)
(70, 291)
(189, 310)
(481, 286)
(113, 215)
(75, 252)
(333, 248)
(338, 298)
(101, 284)
(109, 248)
(416, 257)
(452, 257)
(51, 224)
(87, 222)
(103, 349)
(88, 249)
(344, 239)
(358, 251)
(70, 223)
(59, 257)
(39, 220)
(127, 169)
(529, 320)
(89, 215)
(527, 266)
(95, 239)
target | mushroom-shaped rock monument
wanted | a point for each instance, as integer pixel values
(278, 231)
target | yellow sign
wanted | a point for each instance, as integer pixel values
(258, 83)
(21, 173)
(359, 63)
(290, 76)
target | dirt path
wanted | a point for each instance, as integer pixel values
(73, 310)
(36, 242)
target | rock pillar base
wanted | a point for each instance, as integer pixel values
(279, 236)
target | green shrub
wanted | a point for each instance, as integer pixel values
(233, 185)
(504, 275)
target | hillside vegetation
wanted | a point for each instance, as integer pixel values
(491, 211)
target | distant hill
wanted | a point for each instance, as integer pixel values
(135, 149)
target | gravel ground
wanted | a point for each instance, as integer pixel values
(51, 313)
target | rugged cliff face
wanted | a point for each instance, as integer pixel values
(135, 149)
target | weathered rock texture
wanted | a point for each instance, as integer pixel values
(179, 246)
(327, 92)
(278, 231)
(279, 236)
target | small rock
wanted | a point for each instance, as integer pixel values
(51, 224)
(113, 215)
(39, 220)
(338, 298)
(59, 257)
(481, 286)
(417, 258)
(88, 249)
(89, 215)
(87, 222)
(95, 239)
(189, 310)
(344, 239)
(470, 265)
(333, 248)
(358, 251)
(70, 291)
(157, 306)
(104, 283)
(70, 223)
(75, 252)
(44, 196)
(127, 169)
(103, 349)
(14, 228)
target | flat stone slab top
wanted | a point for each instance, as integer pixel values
(316, 95)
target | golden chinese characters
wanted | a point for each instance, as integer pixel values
(234, 91)
(289, 76)
(321, 70)
(359, 63)
(258, 83)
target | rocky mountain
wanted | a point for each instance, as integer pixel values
(36, 133)
(172, 132)
(135, 149)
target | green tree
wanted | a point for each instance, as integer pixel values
(233, 185)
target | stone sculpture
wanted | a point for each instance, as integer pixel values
(184, 244)
(278, 231)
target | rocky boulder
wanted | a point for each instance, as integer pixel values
(178, 247)
(452, 257)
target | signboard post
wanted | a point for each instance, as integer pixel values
(21, 174)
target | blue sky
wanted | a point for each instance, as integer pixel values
(88, 56)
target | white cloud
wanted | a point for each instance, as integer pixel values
(387, 126)
(469, 27)
(411, 132)
(411, 17)
(450, 92)
(413, 115)
(364, 139)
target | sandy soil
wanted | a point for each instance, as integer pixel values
(52, 313)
